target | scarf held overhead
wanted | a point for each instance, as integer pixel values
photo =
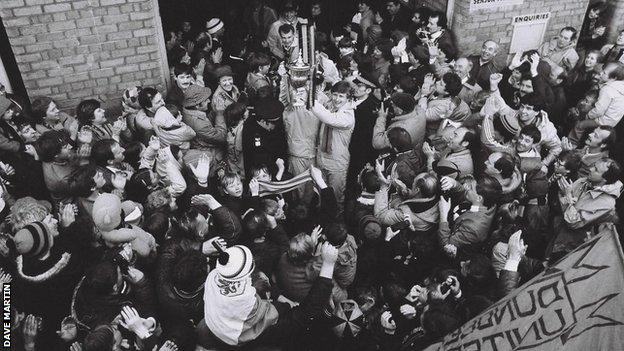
(274, 188)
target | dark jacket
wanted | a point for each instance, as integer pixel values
(176, 305)
(401, 21)
(361, 147)
(481, 73)
(262, 146)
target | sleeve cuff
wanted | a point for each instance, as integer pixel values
(512, 265)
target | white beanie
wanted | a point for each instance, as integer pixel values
(214, 25)
(239, 265)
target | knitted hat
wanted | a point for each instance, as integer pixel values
(195, 95)
(131, 96)
(4, 104)
(33, 240)
(268, 109)
(510, 122)
(370, 227)
(214, 25)
(335, 233)
(106, 212)
(223, 71)
(239, 263)
(403, 101)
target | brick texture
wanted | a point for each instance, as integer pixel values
(84, 49)
(472, 28)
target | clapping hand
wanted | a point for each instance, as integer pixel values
(85, 136)
(169, 346)
(154, 143)
(566, 144)
(408, 311)
(134, 323)
(67, 215)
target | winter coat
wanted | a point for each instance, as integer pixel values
(592, 203)
(423, 212)
(609, 108)
(565, 58)
(262, 146)
(222, 99)
(302, 129)
(210, 137)
(414, 123)
(335, 136)
(481, 73)
(176, 135)
(56, 177)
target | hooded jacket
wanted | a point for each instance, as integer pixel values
(609, 107)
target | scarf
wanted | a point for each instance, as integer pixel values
(274, 188)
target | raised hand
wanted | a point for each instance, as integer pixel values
(134, 323)
(119, 181)
(154, 143)
(329, 253)
(30, 330)
(69, 330)
(447, 183)
(7, 169)
(68, 215)
(85, 136)
(254, 187)
(515, 247)
(408, 311)
(168, 346)
(208, 247)
(134, 275)
(202, 170)
(380, 166)
(76, 346)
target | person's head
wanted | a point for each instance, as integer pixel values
(605, 171)
(340, 93)
(526, 85)
(620, 39)
(234, 114)
(602, 137)
(225, 78)
(150, 99)
(158, 224)
(363, 5)
(300, 249)
(183, 75)
(171, 39)
(369, 181)
(11, 110)
(44, 110)
(107, 152)
(189, 272)
(347, 64)
(255, 225)
(345, 46)
(462, 67)
(259, 62)
(530, 107)
(215, 27)
(439, 319)
(592, 58)
(104, 279)
(478, 270)
(274, 208)
(484, 192)
(400, 139)
(479, 100)
(289, 11)
(287, 35)
(596, 9)
(499, 164)
(393, 7)
(461, 138)
(89, 112)
(449, 85)
(103, 338)
(566, 37)
(436, 22)
(27, 132)
(489, 50)
(231, 184)
(557, 76)
(316, 8)
(426, 185)
(192, 224)
(268, 112)
(528, 138)
(612, 71)
(53, 145)
(86, 179)
(505, 127)
(568, 164)
(186, 26)
(383, 50)
(261, 172)
(402, 103)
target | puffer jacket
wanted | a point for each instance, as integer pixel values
(609, 108)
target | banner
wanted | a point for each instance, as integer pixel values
(492, 4)
(574, 305)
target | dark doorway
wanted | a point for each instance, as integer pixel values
(10, 65)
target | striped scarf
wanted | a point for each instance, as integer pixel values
(274, 188)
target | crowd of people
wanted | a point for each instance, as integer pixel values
(402, 191)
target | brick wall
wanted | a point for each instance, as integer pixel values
(473, 28)
(76, 49)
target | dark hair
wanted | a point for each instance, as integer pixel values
(344, 63)
(258, 59)
(146, 95)
(81, 180)
(132, 154)
(286, 28)
(471, 138)
(498, 126)
(336, 233)
(490, 189)
(345, 43)
(534, 100)
(439, 320)
(572, 162)
(85, 110)
(50, 144)
(400, 139)
(182, 68)
(102, 338)
(101, 152)
(441, 18)
(157, 224)
(341, 87)
(39, 107)
(427, 184)
(613, 173)
(505, 164)
(453, 83)
(139, 186)
(533, 132)
(480, 270)
(234, 113)
(570, 29)
(600, 6)
(618, 72)
(101, 279)
(370, 181)
(408, 85)
(254, 225)
(393, 293)
(189, 271)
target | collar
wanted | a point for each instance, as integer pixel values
(474, 208)
(437, 34)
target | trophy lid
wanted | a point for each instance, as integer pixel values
(299, 65)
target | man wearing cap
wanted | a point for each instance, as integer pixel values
(264, 138)
(216, 29)
(337, 122)
(360, 147)
(288, 15)
(226, 93)
(408, 116)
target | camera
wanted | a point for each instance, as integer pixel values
(446, 285)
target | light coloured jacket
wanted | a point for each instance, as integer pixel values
(423, 213)
(609, 107)
(338, 126)
(566, 58)
(180, 135)
(302, 129)
(588, 205)
(414, 123)
(221, 99)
